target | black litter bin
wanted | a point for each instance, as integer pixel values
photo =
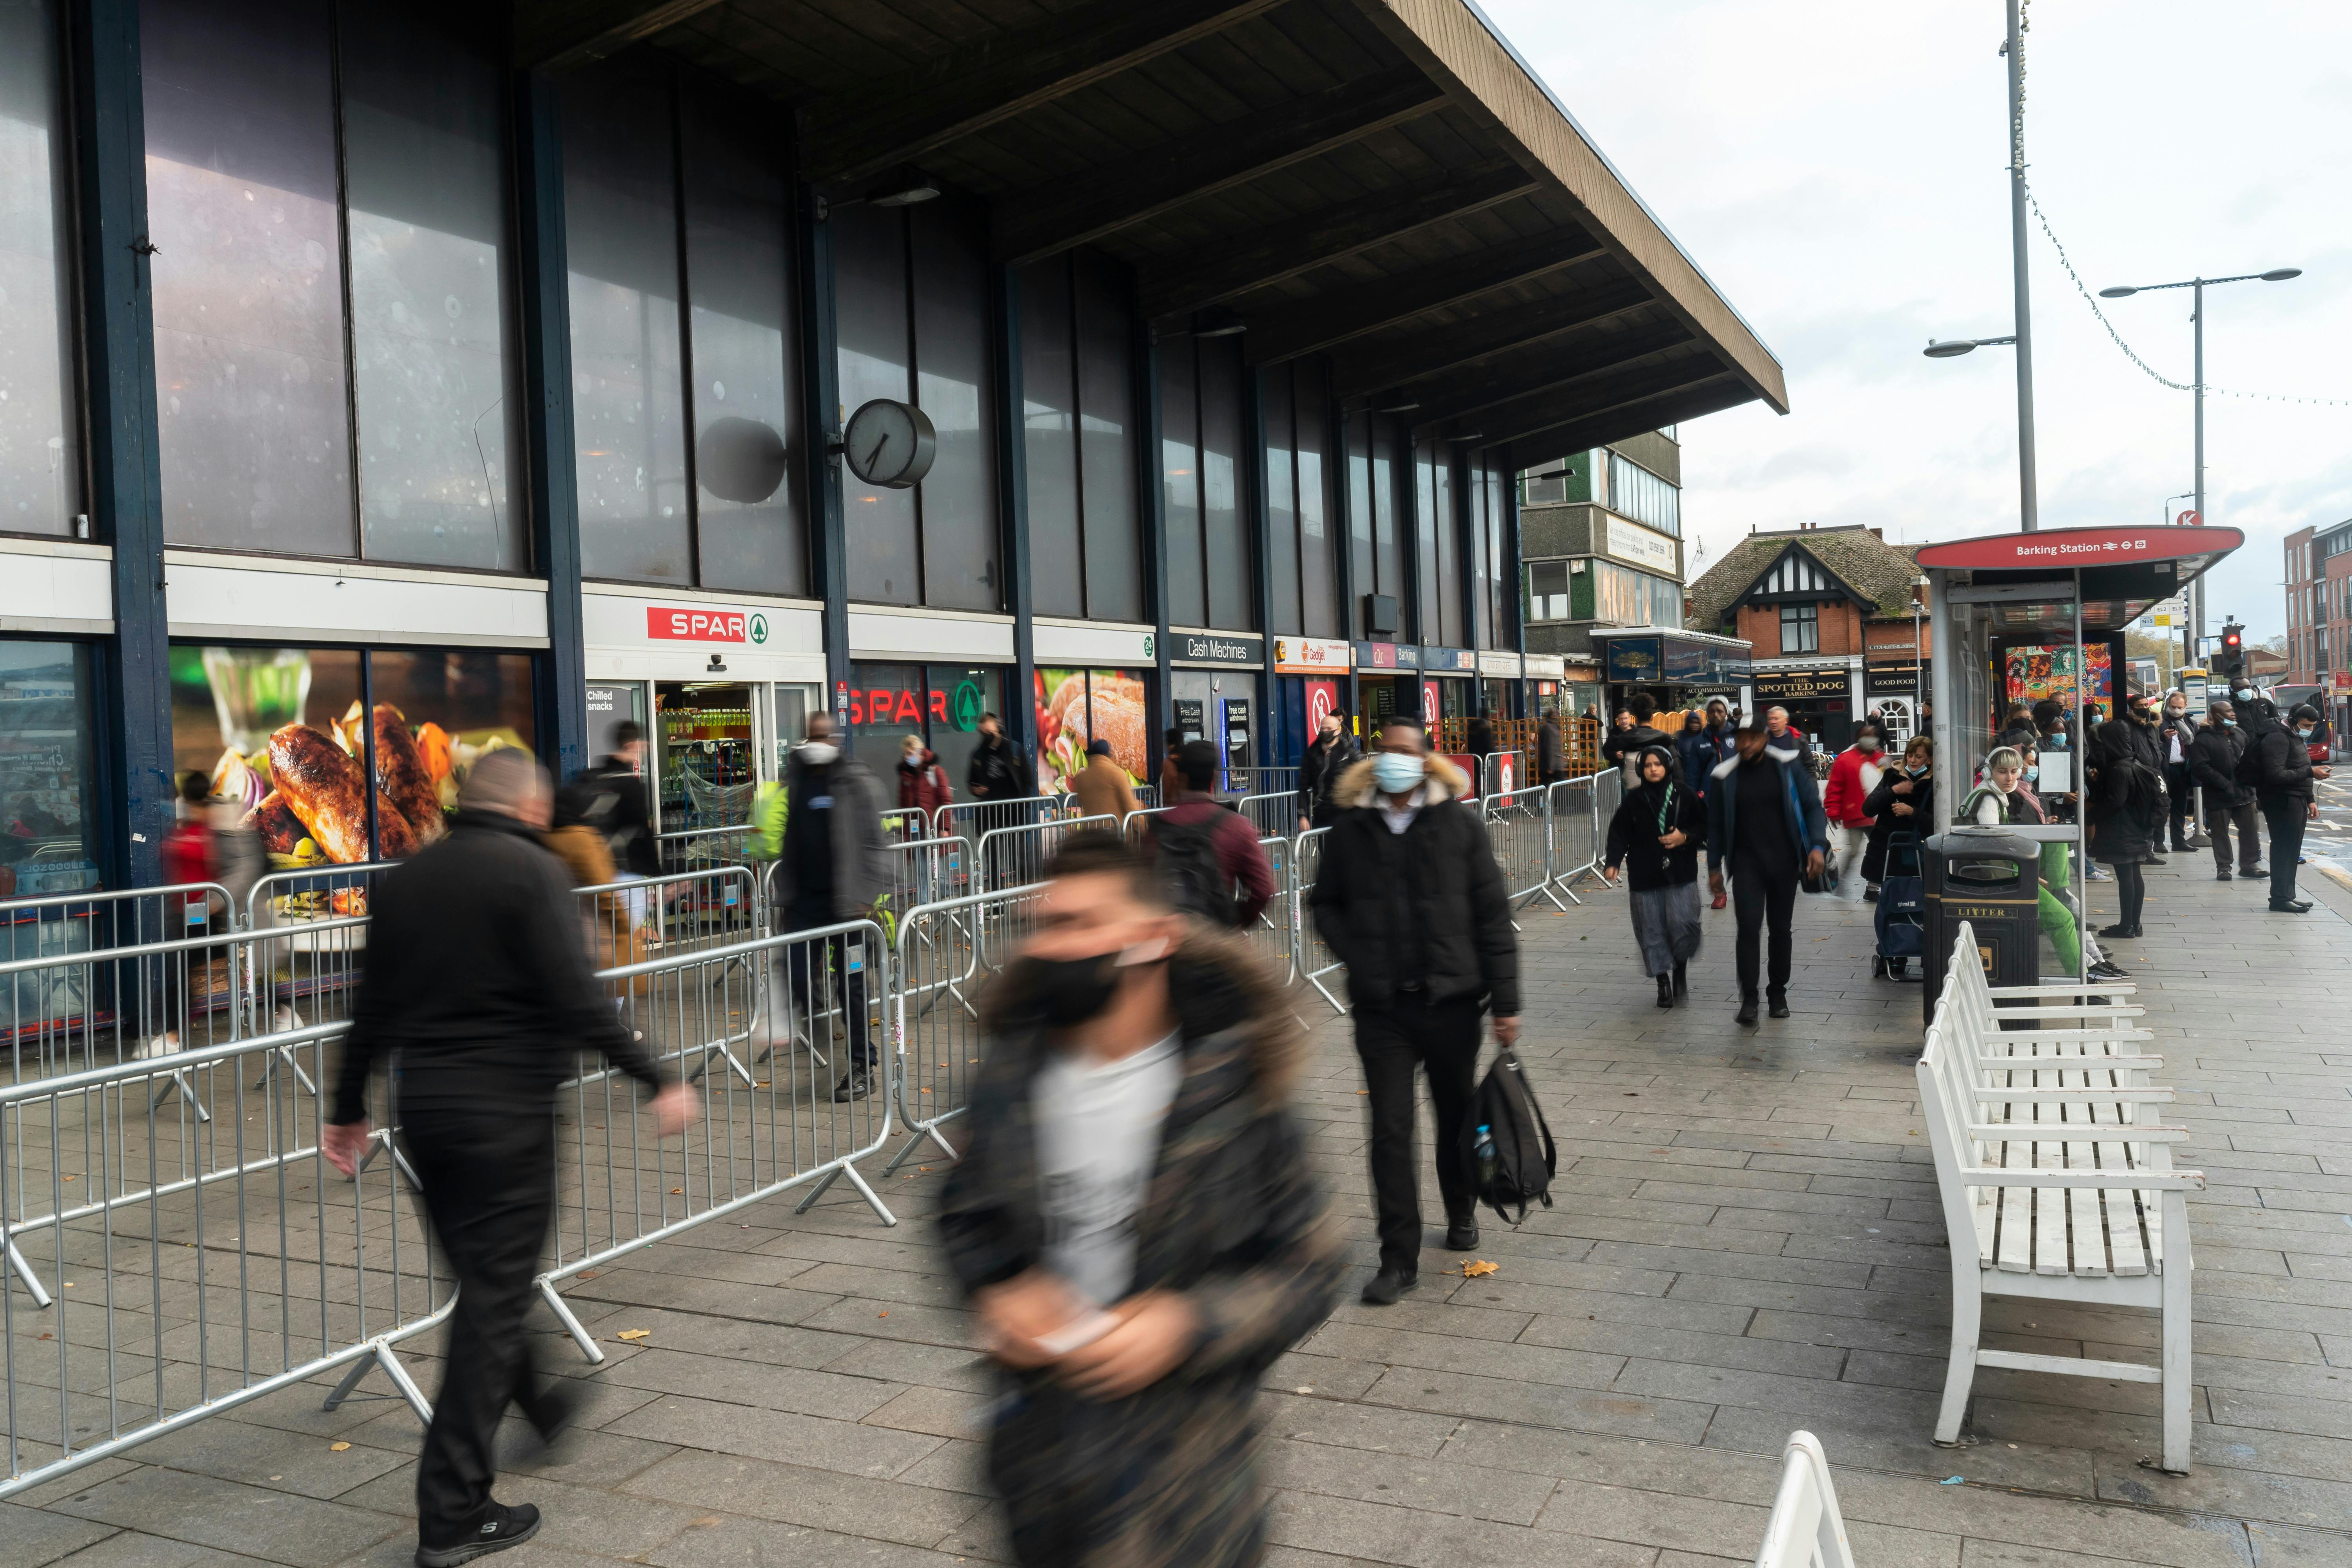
(1991, 878)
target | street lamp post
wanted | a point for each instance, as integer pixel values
(1918, 658)
(2191, 632)
(2197, 315)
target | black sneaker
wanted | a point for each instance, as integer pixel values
(1385, 1287)
(2107, 969)
(2292, 907)
(2222, 876)
(855, 1084)
(1778, 1008)
(2154, 860)
(2120, 933)
(1462, 1234)
(500, 1528)
(1870, 894)
(1665, 990)
(1746, 1013)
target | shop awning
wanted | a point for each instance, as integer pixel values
(1384, 181)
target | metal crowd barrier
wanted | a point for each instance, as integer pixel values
(252, 1269)
(823, 991)
(1273, 814)
(72, 991)
(943, 954)
(692, 848)
(1271, 935)
(1011, 857)
(1314, 961)
(1574, 845)
(1518, 828)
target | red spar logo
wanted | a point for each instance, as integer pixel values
(667, 624)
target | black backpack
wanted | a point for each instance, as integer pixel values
(1189, 872)
(2249, 771)
(1517, 1168)
(590, 800)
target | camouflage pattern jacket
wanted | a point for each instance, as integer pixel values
(1233, 1218)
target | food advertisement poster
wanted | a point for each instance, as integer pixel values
(287, 734)
(1075, 706)
(2036, 672)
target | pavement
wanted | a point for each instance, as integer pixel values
(1744, 1241)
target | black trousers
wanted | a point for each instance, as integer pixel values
(821, 970)
(1764, 895)
(2220, 817)
(2176, 786)
(1442, 1040)
(2131, 891)
(2283, 815)
(489, 1177)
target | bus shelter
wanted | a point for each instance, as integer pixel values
(2022, 618)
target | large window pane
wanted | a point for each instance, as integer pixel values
(40, 460)
(1390, 471)
(1359, 518)
(1106, 441)
(750, 533)
(1048, 430)
(49, 831)
(1318, 566)
(1222, 525)
(1429, 622)
(252, 402)
(1281, 500)
(424, 176)
(951, 385)
(1445, 528)
(628, 398)
(869, 292)
(1179, 470)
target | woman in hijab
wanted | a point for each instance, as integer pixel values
(1655, 835)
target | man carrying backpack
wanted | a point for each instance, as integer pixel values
(611, 798)
(1205, 850)
(2278, 758)
(1411, 901)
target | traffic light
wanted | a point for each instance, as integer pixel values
(2231, 663)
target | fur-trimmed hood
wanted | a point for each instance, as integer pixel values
(1224, 994)
(1446, 781)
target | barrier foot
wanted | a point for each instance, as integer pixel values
(182, 1086)
(1545, 892)
(24, 1270)
(572, 1325)
(818, 1190)
(383, 1357)
(1572, 898)
(928, 1131)
(873, 1201)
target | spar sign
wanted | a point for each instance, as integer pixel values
(668, 622)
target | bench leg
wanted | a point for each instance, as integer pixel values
(1967, 1315)
(2177, 1270)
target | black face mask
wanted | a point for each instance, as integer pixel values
(1070, 991)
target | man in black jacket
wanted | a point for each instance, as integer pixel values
(2174, 736)
(2283, 789)
(999, 770)
(2213, 767)
(1411, 901)
(1632, 743)
(1328, 757)
(477, 977)
(1764, 819)
(1551, 752)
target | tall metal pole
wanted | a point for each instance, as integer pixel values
(2197, 589)
(2028, 510)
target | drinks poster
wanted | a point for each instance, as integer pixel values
(2036, 672)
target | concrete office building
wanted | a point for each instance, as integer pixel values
(2319, 619)
(430, 378)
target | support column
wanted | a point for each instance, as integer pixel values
(1255, 509)
(821, 397)
(1514, 605)
(549, 447)
(133, 706)
(1153, 504)
(1012, 509)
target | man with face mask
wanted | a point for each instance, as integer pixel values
(1854, 774)
(1136, 1222)
(834, 867)
(2214, 765)
(1331, 754)
(999, 770)
(2125, 803)
(1410, 899)
(1764, 819)
(2285, 791)
(2174, 735)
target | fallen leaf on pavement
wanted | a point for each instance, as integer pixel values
(1477, 1271)
(632, 1334)
(337, 1447)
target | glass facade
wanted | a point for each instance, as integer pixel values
(939, 703)
(1303, 582)
(1642, 496)
(1079, 430)
(1211, 567)
(326, 193)
(40, 445)
(685, 354)
(1548, 592)
(48, 829)
(1624, 597)
(1376, 467)
(1437, 537)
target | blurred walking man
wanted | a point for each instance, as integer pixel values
(1410, 899)
(477, 982)
(1136, 1223)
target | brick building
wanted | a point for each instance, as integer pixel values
(1829, 613)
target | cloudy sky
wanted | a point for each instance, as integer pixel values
(1839, 170)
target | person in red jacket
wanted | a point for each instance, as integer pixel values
(922, 783)
(1853, 775)
(190, 858)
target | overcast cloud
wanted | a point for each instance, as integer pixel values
(1839, 170)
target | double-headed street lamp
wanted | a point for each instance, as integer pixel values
(2197, 315)
(2028, 508)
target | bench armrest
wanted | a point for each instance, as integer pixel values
(2144, 1181)
(2107, 988)
(2151, 1095)
(2131, 1062)
(2024, 1132)
(2052, 1010)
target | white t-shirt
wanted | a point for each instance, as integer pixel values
(1098, 1126)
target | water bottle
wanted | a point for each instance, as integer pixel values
(1482, 1156)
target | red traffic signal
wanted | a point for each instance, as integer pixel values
(2231, 637)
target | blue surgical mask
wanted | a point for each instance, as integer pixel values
(2031, 773)
(2229, 723)
(1397, 773)
(2304, 732)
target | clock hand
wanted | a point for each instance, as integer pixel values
(877, 453)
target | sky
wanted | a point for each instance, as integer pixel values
(1840, 171)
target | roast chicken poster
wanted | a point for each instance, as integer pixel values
(284, 734)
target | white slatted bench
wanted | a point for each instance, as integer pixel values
(1806, 1530)
(2056, 1178)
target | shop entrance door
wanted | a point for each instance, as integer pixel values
(707, 757)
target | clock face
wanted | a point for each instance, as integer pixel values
(889, 444)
